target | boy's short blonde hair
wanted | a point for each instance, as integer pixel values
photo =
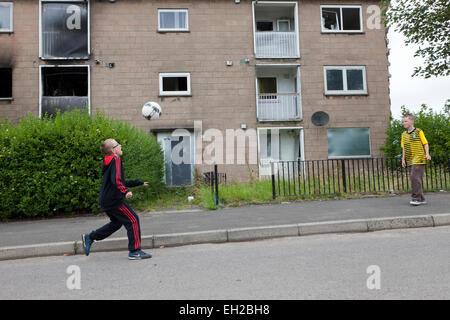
(107, 145)
(409, 116)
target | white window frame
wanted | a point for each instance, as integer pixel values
(283, 20)
(173, 29)
(174, 93)
(345, 91)
(353, 157)
(11, 16)
(41, 88)
(88, 31)
(342, 31)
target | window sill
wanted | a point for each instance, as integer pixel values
(174, 95)
(274, 57)
(280, 120)
(342, 32)
(63, 58)
(6, 99)
(173, 31)
(363, 94)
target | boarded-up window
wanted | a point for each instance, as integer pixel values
(348, 142)
(64, 30)
(64, 88)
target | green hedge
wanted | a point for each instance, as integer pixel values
(436, 127)
(53, 165)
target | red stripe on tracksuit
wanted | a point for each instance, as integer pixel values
(118, 177)
(137, 242)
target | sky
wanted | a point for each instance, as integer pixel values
(412, 91)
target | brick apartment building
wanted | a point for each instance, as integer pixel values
(259, 69)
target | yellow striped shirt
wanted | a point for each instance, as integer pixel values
(413, 143)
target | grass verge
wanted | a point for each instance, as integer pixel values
(232, 195)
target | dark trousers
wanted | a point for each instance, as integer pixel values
(416, 173)
(122, 215)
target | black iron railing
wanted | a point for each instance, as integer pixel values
(368, 175)
(213, 179)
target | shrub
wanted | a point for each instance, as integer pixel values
(53, 165)
(436, 127)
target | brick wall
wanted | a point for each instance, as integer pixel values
(223, 97)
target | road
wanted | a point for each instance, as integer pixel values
(396, 264)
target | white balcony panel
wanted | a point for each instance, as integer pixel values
(276, 44)
(279, 107)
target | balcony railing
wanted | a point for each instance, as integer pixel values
(276, 44)
(279, 107)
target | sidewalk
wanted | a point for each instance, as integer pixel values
(34, 235)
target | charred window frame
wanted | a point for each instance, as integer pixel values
(341, 19)
(64, 29)
(6, 17)
(5, 83)
(64, 88)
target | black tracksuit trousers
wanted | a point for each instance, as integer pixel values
(121, 215)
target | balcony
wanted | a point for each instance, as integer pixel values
(278, 107)
(276, 44)
(275, 26)
(278, 92)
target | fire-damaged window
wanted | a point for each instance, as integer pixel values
(5, 83)
(341, 18)
(64, 30)
(64, 88)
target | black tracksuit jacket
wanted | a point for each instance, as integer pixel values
(114, 187)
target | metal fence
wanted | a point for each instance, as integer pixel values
(214, 179)
(327, 177)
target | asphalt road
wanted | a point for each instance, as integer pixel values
(403, 264)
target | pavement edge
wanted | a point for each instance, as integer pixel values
(230, 235)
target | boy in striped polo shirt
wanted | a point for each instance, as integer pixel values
(415, 153)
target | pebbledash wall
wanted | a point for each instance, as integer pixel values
(222, 96)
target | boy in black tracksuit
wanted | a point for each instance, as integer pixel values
(112, 196)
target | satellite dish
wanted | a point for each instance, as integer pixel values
(320, 118)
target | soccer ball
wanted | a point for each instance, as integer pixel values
(151, 111)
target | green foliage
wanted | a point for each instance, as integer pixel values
(436, 127)
(426, 23)
(53, 165)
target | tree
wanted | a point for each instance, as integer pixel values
(426, 23)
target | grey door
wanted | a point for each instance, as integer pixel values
(181, 172)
